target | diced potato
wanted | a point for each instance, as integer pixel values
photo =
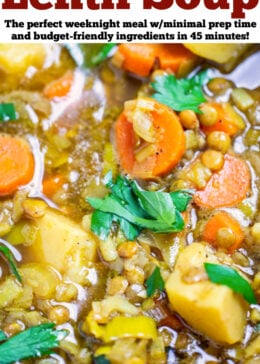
(217, 52)
(103, 309)
(41, 278)
(16, 58)
(253, 348)
(56, 238)
(10, 290)
(26, 299)
(213, 309)
(79, 268)
(23, 232)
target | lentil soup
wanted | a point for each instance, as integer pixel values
(129, 204)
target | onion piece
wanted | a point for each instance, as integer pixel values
(139, 113)
(144, 151)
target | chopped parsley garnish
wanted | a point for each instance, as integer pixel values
(154, 282)
(180, 94)
(2, 336)
(102, 54)
(31, 343)
(8, 255)
(134, 209)
(7, 112)
(101, 359)
(229, 277)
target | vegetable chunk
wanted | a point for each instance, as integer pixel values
(141, 58)
(16, 163)
(227, 187)
(158, 126)
(220, 53)
(56, 238)
(227, 119)
(16, 58)
(60, 87)
(232, 233)
(215, 310)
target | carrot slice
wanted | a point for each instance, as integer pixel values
(16, 163)
(137, 58)
(141, 58)
(223, 220)
(228, 120)
(169, 142)
(59, 87)
(171, 56)
(227, 187)
(51, 184)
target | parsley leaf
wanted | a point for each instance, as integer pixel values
(113, 206)
(3, 336)
(231, 278)
(101, 359)
(102, 221)
(154, 282)
(181, 199)
(8, 255)
(123, 190)
(158, 205)
(102, 53)
(7, 112)
(134, 209)
(180, 94)
(31, 343)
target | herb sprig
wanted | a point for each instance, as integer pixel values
(229, 277)
(9, 257)
(7, 112)
(102, 54)
(134, 209)
(31, 343)
(101, 359)
(180, 94)
(155, 282)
